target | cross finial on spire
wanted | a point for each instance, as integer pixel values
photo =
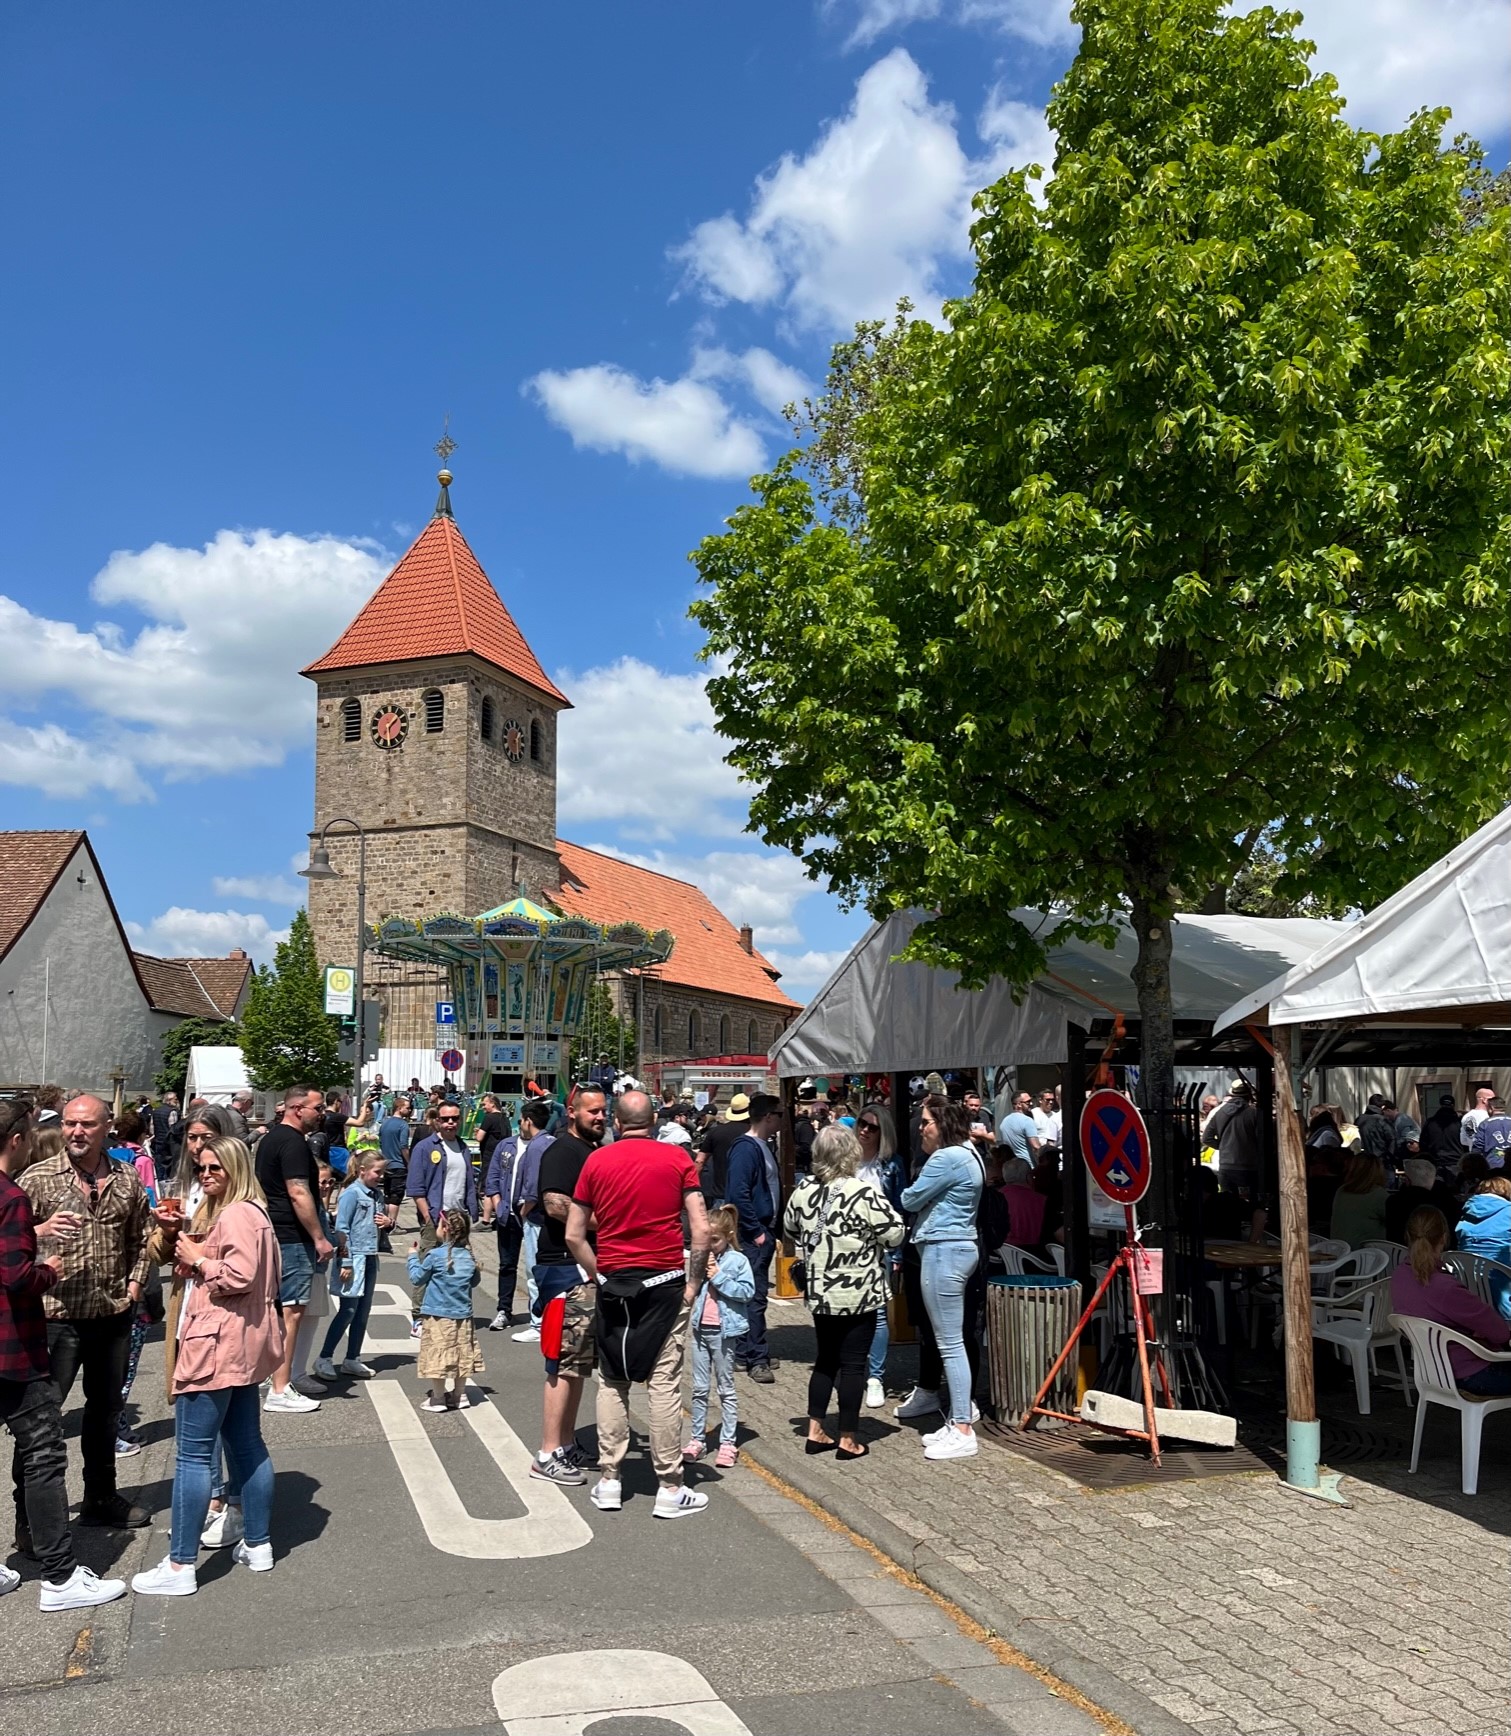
(445, 446)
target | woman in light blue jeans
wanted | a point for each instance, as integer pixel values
(945, 1196)
(877, 1133)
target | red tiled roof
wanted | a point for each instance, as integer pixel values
(194, 988)
(708, 954)
(437, 602)
(30, 863)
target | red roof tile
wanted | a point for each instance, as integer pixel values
(194, 988)
(30, 863)
(708, 954)
(437, 602)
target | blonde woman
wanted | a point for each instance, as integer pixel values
(225, 1336)
(844, 1227)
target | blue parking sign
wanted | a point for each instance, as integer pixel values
(445, 1012)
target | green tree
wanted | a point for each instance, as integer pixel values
(190, 1033)
(1188, 529)
(287, 1038)
(603, 1033)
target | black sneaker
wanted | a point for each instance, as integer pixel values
(115, 1511)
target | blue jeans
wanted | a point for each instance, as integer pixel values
(752, 1351)
(352, 1311)
(231, 1415)
(713, 1362)
(947, 1269)
(296, 1274)
(532, 1289)
(1492, 1381)
(876, 1363)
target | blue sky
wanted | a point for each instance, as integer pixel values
(257, 252)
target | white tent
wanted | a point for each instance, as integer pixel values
(1439, 951)
(877, 1016)
(216, 1074)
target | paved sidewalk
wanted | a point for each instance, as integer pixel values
(1228, 1606)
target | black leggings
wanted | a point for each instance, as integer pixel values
(839, 1362)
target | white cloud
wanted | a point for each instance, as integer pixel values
(261, 888)
(771, 382)
(879, 17)
(876, 209)
(683, 425)
(182, 933)
(208, 685)
(639, 748)
(761, 887)
(805, 973)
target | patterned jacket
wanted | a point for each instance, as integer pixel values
(841, 1229)
(111, 1249)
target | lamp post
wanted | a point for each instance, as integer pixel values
(320, 869)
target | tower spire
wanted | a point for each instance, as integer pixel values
(445, 446)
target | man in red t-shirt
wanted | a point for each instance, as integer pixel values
(634, 1192)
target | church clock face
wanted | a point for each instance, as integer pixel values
(389, 727)
(513, 739)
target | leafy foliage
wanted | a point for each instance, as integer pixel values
(287, 1038)
(1190, 527)
(188, 1034)
(603, 1033)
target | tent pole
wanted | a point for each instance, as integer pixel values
(1072, 1173)
(1303, 1430)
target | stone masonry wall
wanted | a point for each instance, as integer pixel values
(677, 1004)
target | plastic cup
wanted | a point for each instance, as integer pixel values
(170, 1203)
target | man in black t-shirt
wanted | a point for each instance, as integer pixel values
(716, 1143)
(493, 1127)
(569, 1305)
(290, 1182)
(333, 1121)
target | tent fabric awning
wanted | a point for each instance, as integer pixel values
(877, 1016)
(1438, 951)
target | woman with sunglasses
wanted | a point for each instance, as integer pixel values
(877, 1133)
(225, 1336)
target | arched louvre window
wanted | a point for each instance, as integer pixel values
(486, 721)
(692, 1032)
(537, 741)
(351, 720)
(725, 1045)
(754, 1039)
(435, 711)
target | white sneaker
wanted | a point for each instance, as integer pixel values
(937, 1434)
(415, 1329)
(526, 1335)
(499, 1322)
(222, 1530)
(9, 1579)
(81, 1590)
(323, 1369)
(433, 1404)
(678, 1503)
(875, 1394)
(356, 1368)
(257, 1556)
(165, 1580)
(918, 1403)
(953, 1445)
(288, 1400)
(607, 1495)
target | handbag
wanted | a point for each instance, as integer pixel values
(798, 1270)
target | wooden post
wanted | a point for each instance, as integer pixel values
(781, 1272)
(1303, 1431)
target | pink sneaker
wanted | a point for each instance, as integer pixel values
(728, 1453)
(695, 1449)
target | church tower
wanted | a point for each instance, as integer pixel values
(435, 731)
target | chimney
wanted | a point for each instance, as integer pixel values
(237, 954)
(747, 937)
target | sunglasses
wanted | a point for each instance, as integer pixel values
(448, 1120)
(873, 1126)
(208, 1169)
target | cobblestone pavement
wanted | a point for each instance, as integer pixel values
(1250, 1610)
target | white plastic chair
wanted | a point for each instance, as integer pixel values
(1476, 1272)
(1057, 1255)
(1016, 1261)
(1394, 1253)
(1360, 1329)
(1436, 1385)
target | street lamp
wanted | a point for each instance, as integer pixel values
(320, 869)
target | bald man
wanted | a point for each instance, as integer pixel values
(94, 1213)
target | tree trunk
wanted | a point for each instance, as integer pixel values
(1156, 1009)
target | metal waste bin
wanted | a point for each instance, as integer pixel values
(1028, 1319)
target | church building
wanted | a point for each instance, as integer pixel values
(436, 731)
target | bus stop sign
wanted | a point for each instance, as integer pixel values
(1115, 1144)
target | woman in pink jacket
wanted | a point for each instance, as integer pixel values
(230, 1337)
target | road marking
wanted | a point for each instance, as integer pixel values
(550, 1524)
(563, 1694)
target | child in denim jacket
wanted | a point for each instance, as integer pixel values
(717, 1320)
(448, 1343)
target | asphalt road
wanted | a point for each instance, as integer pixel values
(425, 1584)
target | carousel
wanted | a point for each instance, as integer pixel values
(519, 981)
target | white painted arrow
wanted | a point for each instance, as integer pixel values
(561, 1695)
